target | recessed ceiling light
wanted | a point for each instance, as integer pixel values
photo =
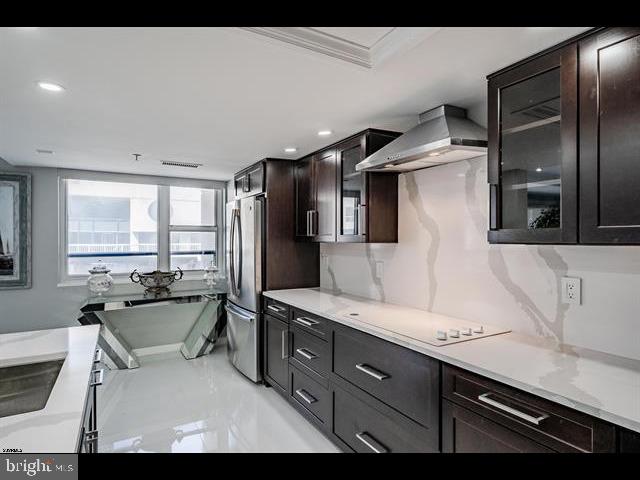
(51, 87)
(324, 133)
(290, 150)
(539, 169)
(42, 150)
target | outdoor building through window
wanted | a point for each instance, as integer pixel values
(144, 226)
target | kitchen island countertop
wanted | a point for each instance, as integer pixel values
(55, 428)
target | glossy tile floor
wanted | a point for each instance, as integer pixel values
(170, 404)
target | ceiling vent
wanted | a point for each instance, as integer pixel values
(181, 164)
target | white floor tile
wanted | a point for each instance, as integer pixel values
(170, 404)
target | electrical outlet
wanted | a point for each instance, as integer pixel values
(379, 270)
(571, 291)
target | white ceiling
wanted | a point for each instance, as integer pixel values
(365, 36)
(225, 97)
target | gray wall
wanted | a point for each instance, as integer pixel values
(46, 305)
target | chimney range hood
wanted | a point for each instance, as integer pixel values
(444, 135)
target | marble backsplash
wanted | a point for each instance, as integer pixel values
(443, 263)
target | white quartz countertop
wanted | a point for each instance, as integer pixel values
(602, 385)
(55, 428)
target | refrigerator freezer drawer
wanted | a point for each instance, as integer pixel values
(242, 341)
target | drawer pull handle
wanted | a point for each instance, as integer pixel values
(485, 397)
(100, 378)
(307, 322)
(377, 374)
(97, 358)
(308, 354)
(371, 442)
(275, 308)
(306, 396)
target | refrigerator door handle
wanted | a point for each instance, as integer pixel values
(232, 269)
(234, 311)
(235, 274)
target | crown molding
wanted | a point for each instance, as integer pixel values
(396, 41)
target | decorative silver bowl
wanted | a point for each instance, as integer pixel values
(156, 281)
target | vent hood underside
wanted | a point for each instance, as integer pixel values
(444, 135)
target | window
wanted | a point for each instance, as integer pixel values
(192, 227)
(135, 222)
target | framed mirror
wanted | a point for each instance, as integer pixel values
(15, 230)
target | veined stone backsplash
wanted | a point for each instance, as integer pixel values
(443, 263)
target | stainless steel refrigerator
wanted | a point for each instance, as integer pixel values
(245, 249)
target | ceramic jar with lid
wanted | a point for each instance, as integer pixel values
(99, 281)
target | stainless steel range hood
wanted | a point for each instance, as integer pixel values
(444, 135)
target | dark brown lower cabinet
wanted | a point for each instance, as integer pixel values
(276, 368)
(370, 395)
(366, 429)
(548, 424)
(464, 431)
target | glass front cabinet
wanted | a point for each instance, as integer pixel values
(352, 216)
(532, 156)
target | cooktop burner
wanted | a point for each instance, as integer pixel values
(437, 330)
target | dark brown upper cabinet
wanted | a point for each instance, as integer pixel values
(564, 137)
(610, 137)
(532, 156)
(334, 202)
(315, 197)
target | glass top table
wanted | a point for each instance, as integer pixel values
(199, 341)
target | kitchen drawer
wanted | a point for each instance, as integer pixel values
(310, 395)
(401, 378)
(464, 431)
(276, 308)
(310, 350)
(367, 430)
(550, 424)
(311, 323)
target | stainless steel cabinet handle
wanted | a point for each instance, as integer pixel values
(377, 374)
(285, 345)
(308, 223)
(485, 397)
(306, 321)
(275, 308)
(371, 442)
(97, 358)
(308, 354)
(362, 220)
(306, 396)
(100, 379)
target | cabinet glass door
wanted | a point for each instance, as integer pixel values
(531, 156)
(532, 151)
(352, 191)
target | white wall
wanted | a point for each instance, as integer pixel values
(444, 263)
(46, 305)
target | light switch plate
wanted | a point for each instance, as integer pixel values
(571, 290)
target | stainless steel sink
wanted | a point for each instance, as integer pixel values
(26, 388)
